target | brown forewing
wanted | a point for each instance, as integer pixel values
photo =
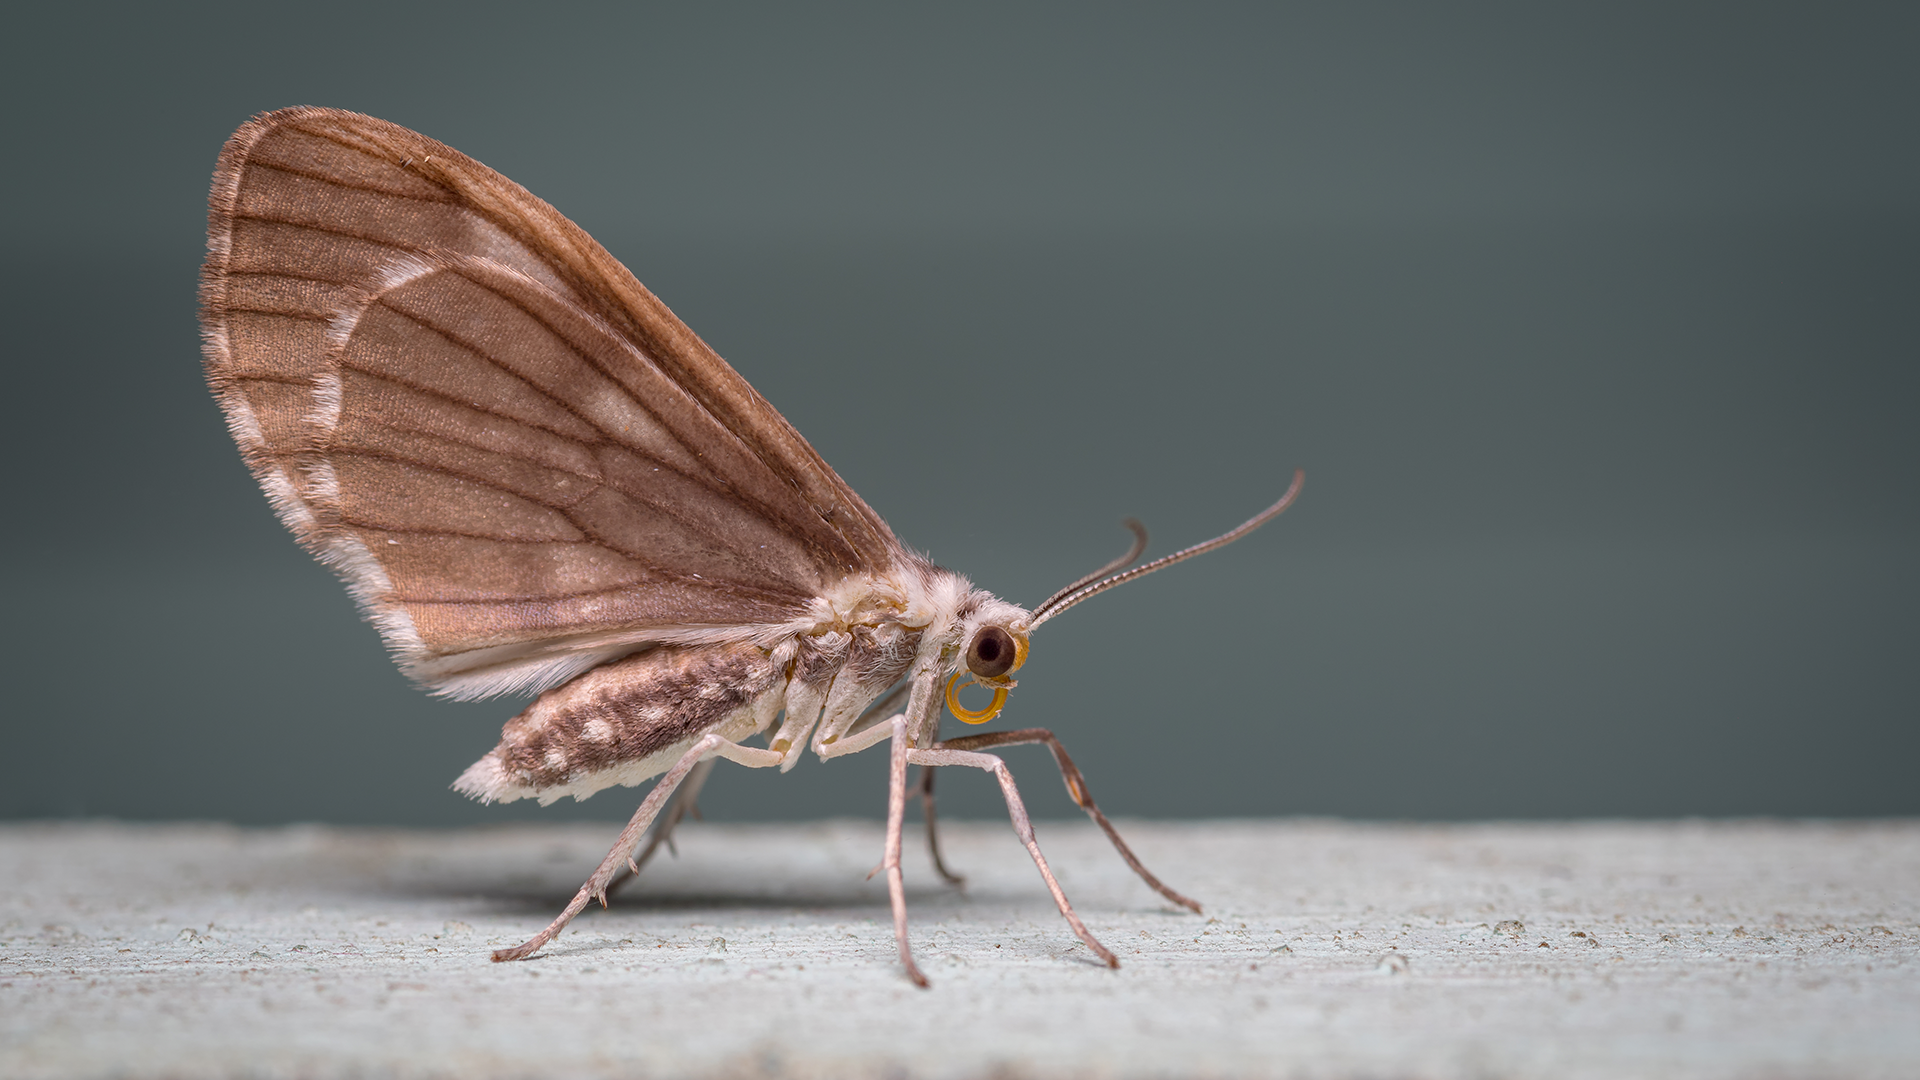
(510, 449)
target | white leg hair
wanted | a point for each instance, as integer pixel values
(707, 746)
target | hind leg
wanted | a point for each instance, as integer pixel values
(622, 854)
(684, 802)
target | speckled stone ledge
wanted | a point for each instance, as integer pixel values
(1329, 949)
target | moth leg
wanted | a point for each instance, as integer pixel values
(1076, 788)
(933, 835)
(661, 831)
(859, 740)
(896, 821)
(621, 855)
(1016, 810)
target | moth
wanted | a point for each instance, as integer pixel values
(534, 479)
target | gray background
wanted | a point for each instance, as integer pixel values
(1594, 329)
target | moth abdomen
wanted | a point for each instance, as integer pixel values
(627, 721)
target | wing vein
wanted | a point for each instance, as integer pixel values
(334, 181)
(294, 275)
(331, 230)
(280, 313)
(469, 477)
(402, 424)
(565, 510)
(562, 462)
(269, 377)
(482, 352)
(465, 403)
(714, 483)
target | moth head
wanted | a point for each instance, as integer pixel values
(992, 641)
(990, 645)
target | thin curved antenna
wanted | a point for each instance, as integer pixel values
(1139, 532)
(1065, 599)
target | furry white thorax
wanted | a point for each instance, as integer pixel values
(947, 611)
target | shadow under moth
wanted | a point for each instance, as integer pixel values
(534, 479)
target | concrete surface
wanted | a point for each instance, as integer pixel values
(1746, 949)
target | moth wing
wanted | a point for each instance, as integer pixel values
(519, 460)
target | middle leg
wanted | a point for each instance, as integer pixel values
(706, 746)
(933, 836)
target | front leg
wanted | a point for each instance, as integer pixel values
(904, 729)
(1076, 788)
(896, 822)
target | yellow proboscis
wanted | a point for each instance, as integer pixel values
(968, 715)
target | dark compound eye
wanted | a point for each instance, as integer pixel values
(991, 654)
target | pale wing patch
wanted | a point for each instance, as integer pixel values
(326, 402)
(288, 503)
(322, 488)
(391, 275)
(478, 318)
(399, 272)
(367, 583)
(242, 423)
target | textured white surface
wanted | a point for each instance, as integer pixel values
(1329, 949)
